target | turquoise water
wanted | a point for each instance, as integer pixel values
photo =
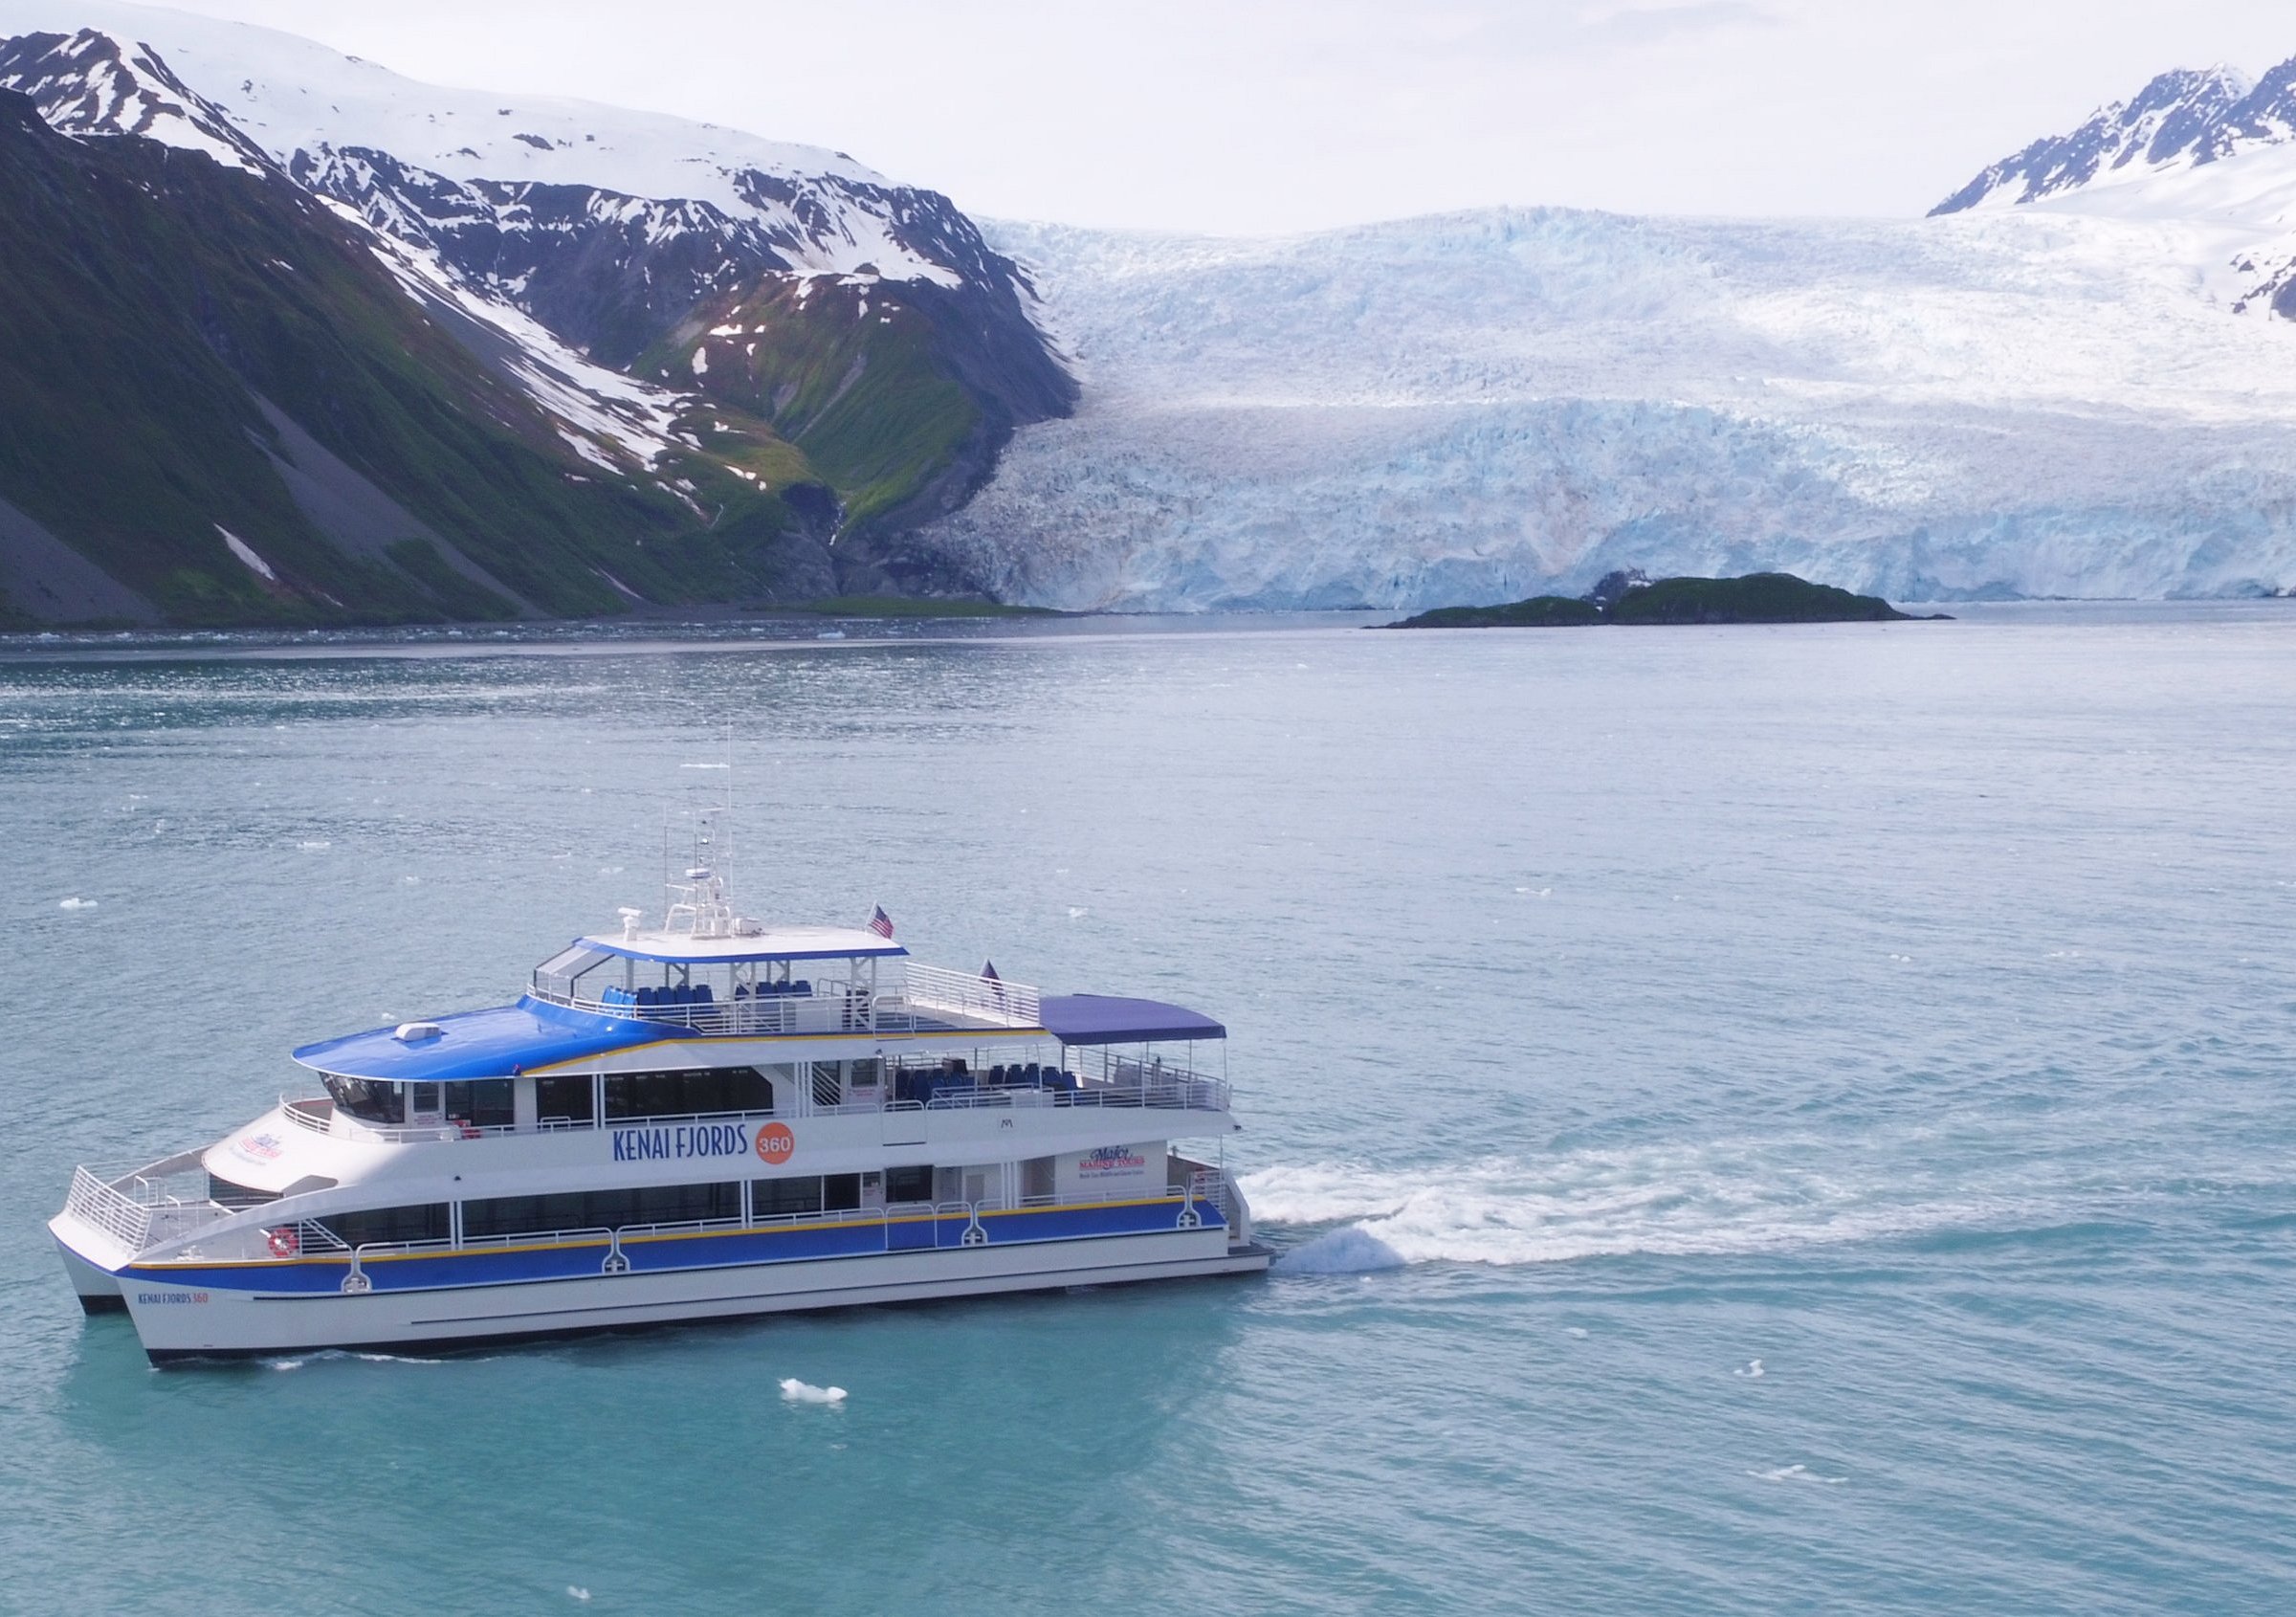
(1757, 1119)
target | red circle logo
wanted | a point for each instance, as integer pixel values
(776, 1144)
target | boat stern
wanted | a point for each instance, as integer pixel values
(92, 1260)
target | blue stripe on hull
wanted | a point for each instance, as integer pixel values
(670, 1253)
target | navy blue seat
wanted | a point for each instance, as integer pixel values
(801, 987)
(645, 999)
(704, 994)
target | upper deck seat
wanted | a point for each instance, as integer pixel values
(704, 994)
(801, 987)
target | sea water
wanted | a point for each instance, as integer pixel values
(1754, 1119)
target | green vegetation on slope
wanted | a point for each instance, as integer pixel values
(156, 298)
(1539, 612)
(1754, 598)
(846, 373)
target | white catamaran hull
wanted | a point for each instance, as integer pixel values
(188, 1320)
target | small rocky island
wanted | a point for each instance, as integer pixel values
(1624, 597)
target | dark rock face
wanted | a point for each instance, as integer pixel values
(2184, 114)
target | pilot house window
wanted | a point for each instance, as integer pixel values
(686, 1095)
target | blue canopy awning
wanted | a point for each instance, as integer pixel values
(482, 1044)
(1106, 1019)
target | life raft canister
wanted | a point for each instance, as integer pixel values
(284, 1242)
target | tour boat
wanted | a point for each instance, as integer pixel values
(713, 1118)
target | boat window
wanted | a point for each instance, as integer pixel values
(563, 1099)
(231, 1195)
(367, 1099)
(563, 966)
(687, 1094)
(908, 1184)
(840, 1192)
(601, 1209)
(481, 1102)
(370, 1225)
(777, 1198)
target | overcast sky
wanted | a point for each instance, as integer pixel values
(1247, 116)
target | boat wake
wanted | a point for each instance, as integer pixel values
(1725, 1198)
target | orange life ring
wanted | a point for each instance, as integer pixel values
(283, 1241)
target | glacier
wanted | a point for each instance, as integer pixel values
(1992, 404)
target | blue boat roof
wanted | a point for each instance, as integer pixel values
(481, 1044)
(1106, 1019)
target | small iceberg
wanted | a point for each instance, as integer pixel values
(803, 1392)
(76, 905)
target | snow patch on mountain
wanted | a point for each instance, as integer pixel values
(1478, 407)
(92, 84)
(597, 412)
(289, 95)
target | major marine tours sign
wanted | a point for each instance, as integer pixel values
(773, 1145)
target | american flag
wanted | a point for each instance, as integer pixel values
(881, 923)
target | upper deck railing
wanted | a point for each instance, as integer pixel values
(931, 997)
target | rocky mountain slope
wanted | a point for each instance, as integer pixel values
(796, 356)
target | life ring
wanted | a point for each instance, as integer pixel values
(283, 1241)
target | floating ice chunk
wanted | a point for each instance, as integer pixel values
(75, 903)
(1573, 1330)
(577, 1591)
(1793, 1473)
(314, 847)
(803, 1392)
(1753, 1367)
(1349, 1250)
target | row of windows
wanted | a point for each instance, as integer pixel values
(601, 1209)
(617, 1209)
(428, 1223)
(630, 1096)
(482, 1102)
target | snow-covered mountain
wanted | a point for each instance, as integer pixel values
(2209, 148)
(588, 253)
(2020, 401)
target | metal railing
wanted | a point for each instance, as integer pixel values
(934, 989)
(314, 1237)
(324, 1116)
(108, 1209)
(830, 1007)
(1171, 1089)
